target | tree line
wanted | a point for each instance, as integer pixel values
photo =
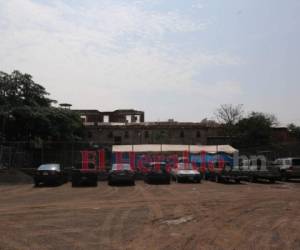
(253, 129)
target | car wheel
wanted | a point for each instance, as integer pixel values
(237, 181)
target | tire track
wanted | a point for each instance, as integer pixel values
(154, 206)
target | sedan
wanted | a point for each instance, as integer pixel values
(50, 174)
(121, 173)
(157, 172)
(186, 172)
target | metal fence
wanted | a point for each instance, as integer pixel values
(30, 155)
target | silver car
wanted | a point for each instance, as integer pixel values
(186, 172)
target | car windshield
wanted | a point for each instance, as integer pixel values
(53, 167)
(296, 162)
(183, 166)
(154, 165)
(121, 167)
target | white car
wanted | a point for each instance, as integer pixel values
(186, 172)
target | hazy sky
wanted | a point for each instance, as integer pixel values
(171, 58)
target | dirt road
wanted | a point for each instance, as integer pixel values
(176, 216)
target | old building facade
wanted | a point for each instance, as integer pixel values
(129, 127)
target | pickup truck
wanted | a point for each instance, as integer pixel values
(225, 173)
(258, 170)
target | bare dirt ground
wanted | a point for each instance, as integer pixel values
(176, 216)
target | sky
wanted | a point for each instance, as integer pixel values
(171, 58)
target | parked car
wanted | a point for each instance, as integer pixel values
(157, 172)
(289, 168)
(84, 176)
(259, 170)
(51, 173)
(121, 173)
(226, 173)
(185, 172)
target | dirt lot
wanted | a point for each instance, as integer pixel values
(176, 216)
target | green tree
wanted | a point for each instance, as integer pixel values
(26, 112)
(294, 130)
(19, 89)
(256, 129)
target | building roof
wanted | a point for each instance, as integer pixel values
(212, 149)
(87, 110)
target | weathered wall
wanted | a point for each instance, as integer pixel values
(145, 134)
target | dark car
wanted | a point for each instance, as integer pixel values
(51, 173)
(121, 173)
(84, 176)
(157, 172)
(260, 170)
(224, 172)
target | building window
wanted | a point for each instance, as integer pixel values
(182, 134)
(126, 134)
(106, 118)
(146, 134)
(198, 134)
(110, 135)
(83, 118)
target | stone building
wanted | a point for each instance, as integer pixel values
(129, 127)
(92, 117)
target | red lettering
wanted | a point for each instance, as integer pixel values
(101, 155)
(132, 160)
(85, 159)
(203, 161)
